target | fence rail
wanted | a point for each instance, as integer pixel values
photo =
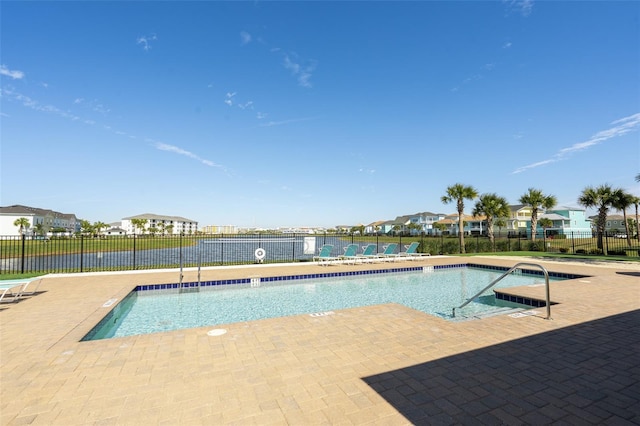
(22, 254)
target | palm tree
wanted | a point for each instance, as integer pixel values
(600, 198)
(535, 199)
(39, 228)
(501, 222)
(86, 227)
(491, 206)
(139, 224)
(98, 227)
(22, 223)
(440, 227)
(545, 223)
(622, 201)
(459, 193)
(636, 201)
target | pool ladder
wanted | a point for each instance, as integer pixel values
(513, 269)
(184, 288)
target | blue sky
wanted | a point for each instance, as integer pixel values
(267, 114)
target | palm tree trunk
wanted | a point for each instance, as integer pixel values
(490, 233)
(461, 232)
(626, 227)
(637, 224)
(534, 224)
(602, 220)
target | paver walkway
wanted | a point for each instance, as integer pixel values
(385, 364)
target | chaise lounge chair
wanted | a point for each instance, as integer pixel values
(324, 255)
(350, 254)
(368, 253)
(389, 253)
(18, 288)
(411, 251)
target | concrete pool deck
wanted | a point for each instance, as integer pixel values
(378, 365)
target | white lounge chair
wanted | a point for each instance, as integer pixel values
(18, 288)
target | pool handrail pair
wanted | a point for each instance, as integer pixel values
(513, 268)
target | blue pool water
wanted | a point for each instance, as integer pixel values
(432, 292)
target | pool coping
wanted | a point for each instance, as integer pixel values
(257, 281)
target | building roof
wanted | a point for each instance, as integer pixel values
(553, 216)
(26, 210)
(153, 216)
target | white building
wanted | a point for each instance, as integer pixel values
(173, 225)
(41, 221)
(220, 229)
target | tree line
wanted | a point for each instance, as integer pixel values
(494, 207)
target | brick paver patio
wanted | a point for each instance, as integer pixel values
(380, 365)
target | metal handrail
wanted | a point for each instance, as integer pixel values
(494, 282)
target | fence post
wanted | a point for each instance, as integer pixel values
(573, 243)
(24, 237)
(81, 252)
(293, 247)
(133, 259)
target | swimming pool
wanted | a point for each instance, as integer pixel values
(434, 292)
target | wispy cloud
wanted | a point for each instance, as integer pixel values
(302, 72)
(245, 38)
(507, 45)
(367, 171)
(523, 7)
(28, 102)
(620, 127)
(228, 99)
(484, 69)
(11, 95)
(14, 74)
(176, 150)
(282, 122)
(145, 41)
(94, 105)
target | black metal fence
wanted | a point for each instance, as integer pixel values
(85, 254)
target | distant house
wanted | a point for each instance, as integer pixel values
(46, 220)
(519, 218)
(161, 224)
(425, 221)
(378, 227)
(114, 231)
(615, 222)
(566, 221)
(472, 225)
